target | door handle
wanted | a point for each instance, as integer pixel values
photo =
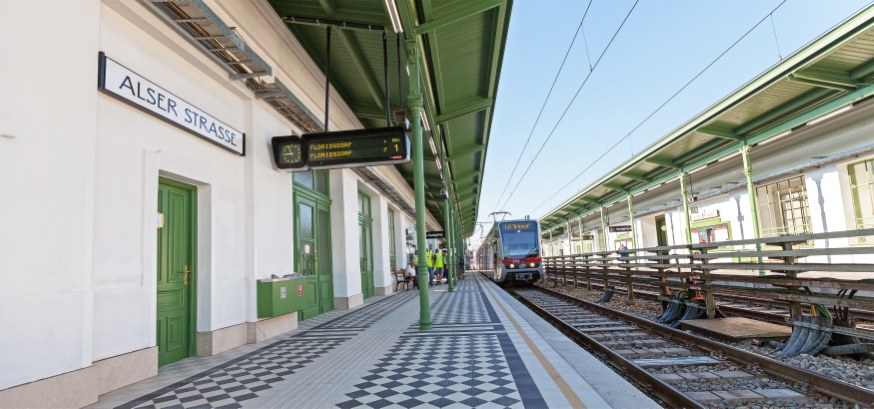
(185, 274)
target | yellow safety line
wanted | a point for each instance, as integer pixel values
(566, 389)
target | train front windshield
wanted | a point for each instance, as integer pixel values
(520, 240)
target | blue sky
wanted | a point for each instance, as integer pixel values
(661, 47)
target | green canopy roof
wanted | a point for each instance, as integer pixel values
(461, 47)
(830, 72)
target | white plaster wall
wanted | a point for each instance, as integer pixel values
(134, 149)
(382, 272)
(270, 205)
(647, 236)
(46, 189)
(399, 239)
(344, 233)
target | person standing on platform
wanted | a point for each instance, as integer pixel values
(438, 266)
(429, 259)
(461, 267)
(446, 263)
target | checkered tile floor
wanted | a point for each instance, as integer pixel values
(464, 362)
(470, 370)
(232, 383)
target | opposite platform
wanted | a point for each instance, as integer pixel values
(485, 350)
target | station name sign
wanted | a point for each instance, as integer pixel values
(127, 85)
(620, 229)
(434, 235)
(344, 149)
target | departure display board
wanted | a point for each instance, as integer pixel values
(357, 148)
(345, 149)
(288, 152)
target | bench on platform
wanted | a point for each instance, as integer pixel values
(402, 279)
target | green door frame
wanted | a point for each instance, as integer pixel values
(365, 224)
(192, 242)
(319, 202)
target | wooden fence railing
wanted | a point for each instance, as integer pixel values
(706, 269)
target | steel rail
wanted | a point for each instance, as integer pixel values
(664, 391)
(827, 386)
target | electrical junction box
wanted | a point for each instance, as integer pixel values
(281, 296)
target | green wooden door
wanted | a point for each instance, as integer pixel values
(323, 264)
(176, 327)
(307, 253)
(365, 244)
(312, 248)
(661, 231)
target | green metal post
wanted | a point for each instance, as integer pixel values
(570, 243)
(459, 245)
(603, 230)
(414, 106)
(447, 223)
(580, 222)
(751, 192)
(685, 191)
(631, 217)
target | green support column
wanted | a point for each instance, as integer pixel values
(447, 227)
(631, 217)
(414, 111)
(580, 222)
(685, 191)
(603, 230)
(570, 243)
(459, 249)
(751, 192)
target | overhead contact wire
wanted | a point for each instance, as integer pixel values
(586, 80)
(510, 179)
(663, 104)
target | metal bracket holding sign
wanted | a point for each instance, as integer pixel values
(344, 149)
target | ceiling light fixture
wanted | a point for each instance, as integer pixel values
(830, 115)
(775, 137)
(395, 18)
(725, 158)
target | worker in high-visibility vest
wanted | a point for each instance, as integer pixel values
(430, 261)
(438, 266)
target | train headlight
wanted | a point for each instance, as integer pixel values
(512, 266)
(531, 265)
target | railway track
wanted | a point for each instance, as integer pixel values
(682, 369)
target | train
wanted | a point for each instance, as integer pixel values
(511, 252)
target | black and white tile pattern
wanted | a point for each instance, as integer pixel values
(439, 372)
(468, 360)
(231, 383)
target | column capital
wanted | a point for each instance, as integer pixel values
(415, 104)
(412, 51)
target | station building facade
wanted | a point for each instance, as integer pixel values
(124, 223)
